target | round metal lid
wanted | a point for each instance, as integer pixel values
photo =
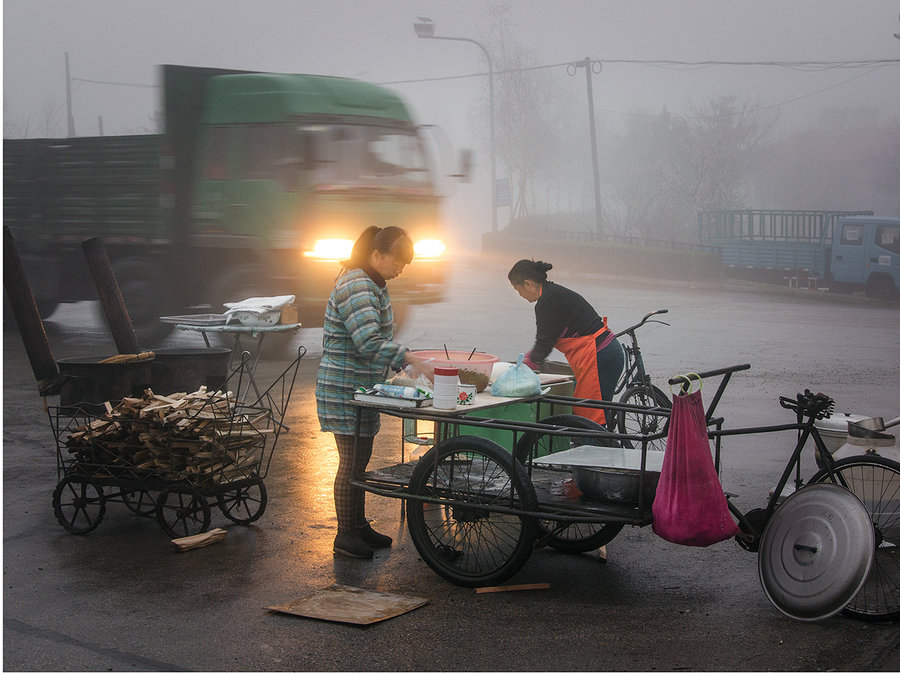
(816, 552)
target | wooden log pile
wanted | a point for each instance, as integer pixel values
(195, 436)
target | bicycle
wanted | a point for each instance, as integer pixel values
(636, 388)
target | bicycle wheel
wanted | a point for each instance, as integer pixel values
(578, 536)
(457, 534)
(876, 482)
(637, 423)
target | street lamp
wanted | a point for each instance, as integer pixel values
(424, 28)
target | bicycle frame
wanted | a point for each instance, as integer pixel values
(634, 371)
(805, 427)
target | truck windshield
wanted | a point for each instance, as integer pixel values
(368, 156)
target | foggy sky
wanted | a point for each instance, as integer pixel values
(122, 42)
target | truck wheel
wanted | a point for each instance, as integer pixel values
(881, 287)
(146, 297)
(240, 283)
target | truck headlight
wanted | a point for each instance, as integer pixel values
(429, 248)
(330, 249)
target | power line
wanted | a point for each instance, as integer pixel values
(803, 66)
(118, 84)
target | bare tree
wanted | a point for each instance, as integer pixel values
(531, 105)
(670, 166)
(51, 115)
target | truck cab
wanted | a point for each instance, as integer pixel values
(292, 168)
(865, 252)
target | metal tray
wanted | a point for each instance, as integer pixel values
(195, 319)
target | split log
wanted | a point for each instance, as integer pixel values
(199, 540)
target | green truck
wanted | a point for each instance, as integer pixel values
(845, 251)
(257, 187)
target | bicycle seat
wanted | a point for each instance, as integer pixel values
(809, 404)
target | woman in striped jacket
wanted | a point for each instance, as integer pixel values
(358, 348)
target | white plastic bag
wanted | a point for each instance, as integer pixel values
(518, 381)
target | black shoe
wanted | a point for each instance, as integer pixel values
(351, 544)
(373, 538)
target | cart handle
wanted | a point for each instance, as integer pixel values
(727, 371)
(686, 378)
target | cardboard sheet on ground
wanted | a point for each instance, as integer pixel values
(342, 603)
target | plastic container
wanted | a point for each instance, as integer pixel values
(446, 387)
(472, 370)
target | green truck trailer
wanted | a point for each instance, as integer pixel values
(258, 186)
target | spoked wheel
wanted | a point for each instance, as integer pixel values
(78, 504)
(182, 511)
(579, 536)
(140, 502)
(459, 533)
(638, 423)
(245, 504)
(876, 482)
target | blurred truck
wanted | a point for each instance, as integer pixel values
(843, 251)
(258, 186)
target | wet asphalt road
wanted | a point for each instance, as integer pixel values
(120, 598)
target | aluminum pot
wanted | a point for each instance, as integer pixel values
(87, 383)
(186, 370)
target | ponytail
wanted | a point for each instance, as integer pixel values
(385, 240)
(528, 270)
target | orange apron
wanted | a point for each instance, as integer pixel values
(581, 353)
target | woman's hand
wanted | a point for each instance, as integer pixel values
(422, 366)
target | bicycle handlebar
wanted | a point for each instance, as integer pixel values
(643, 320)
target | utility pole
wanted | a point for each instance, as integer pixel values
(588, 71)
(70, 119)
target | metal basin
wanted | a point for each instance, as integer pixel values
(88, 383)
(616, 486)
(610, 474)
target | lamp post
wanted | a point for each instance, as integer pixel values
(424, 28)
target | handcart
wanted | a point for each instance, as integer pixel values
(476, 509)
(171, 456)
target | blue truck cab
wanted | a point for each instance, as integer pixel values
(865, 252)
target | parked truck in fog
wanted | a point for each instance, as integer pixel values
(843, 251)
(258, 185)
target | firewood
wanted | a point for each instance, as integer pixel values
(199, 540)
(513, 588)
(194, 433)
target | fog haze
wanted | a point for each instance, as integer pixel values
(114, 47)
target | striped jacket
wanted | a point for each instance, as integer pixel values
(357, 350)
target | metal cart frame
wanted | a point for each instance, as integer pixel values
(93, 472)
(476, 510)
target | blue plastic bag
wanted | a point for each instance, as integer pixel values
(518, 381)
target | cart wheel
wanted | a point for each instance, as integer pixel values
(578, 536)
(140, 502)
(245, 504)
(78, 504)
(459, 532)
(633, 422)
(182, 511)
(876, 482)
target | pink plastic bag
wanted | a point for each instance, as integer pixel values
(690, 507)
